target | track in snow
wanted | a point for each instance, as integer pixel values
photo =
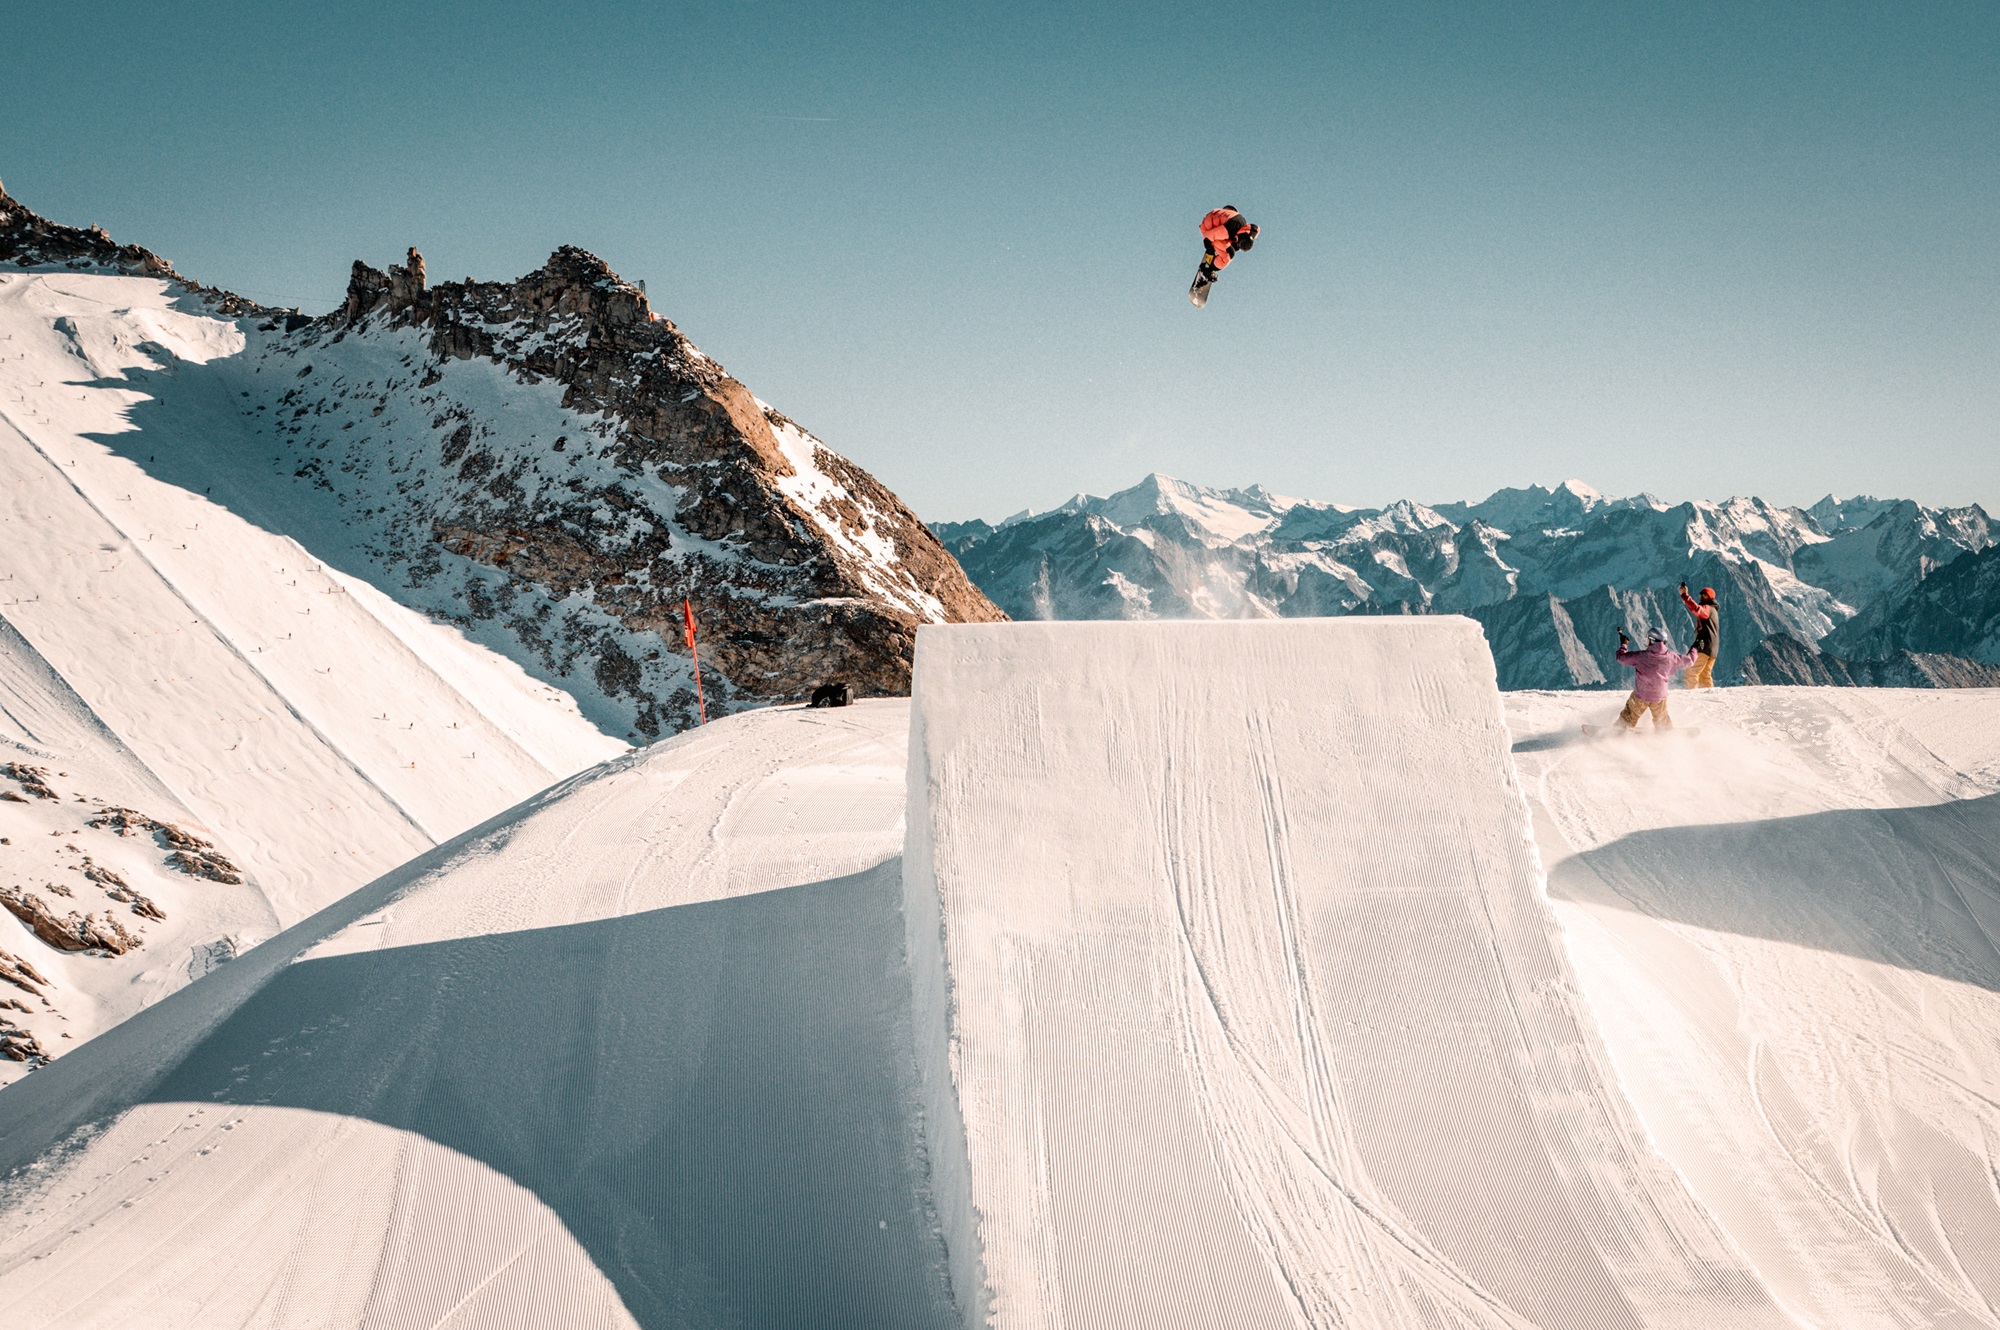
(1252, 1008)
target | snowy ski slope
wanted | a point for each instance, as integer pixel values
(636, 1054)
(1253, 1010)
(1787, 932)
(202, 668)
(1232, 974)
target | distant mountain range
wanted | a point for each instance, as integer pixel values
(1846, 591)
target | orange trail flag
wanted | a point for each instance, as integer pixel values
(687, 614)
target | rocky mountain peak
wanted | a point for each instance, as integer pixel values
(554, 465)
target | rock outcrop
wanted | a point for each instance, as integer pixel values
(35, 780)
(118, 889)
(71, 932)
(21, 1046)
(800, 565)
(22, 975)
(190, 853)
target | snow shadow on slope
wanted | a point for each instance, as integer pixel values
(192, 429)
(716, 1098)
(1917, 888)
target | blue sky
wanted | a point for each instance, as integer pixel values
(1694, 249)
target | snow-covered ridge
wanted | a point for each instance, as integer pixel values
(1532, 564)
(166, 650)
(545, 462)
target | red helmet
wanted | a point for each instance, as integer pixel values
(1708, 593)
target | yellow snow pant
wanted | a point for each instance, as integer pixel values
(1634, 708)
(1699, 674)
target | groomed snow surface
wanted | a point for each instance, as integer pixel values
(1272, 974)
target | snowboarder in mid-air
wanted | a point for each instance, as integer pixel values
(1225, 233)
(1651, 669)
(1701, 673)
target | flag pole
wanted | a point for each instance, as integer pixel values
(687, 615)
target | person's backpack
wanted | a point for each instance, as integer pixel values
(832, 695)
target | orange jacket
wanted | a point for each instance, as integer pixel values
(1215, 230)
(1704, 623)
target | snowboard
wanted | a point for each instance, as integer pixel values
(1198, 293)
(1614, 730)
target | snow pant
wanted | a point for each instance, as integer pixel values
(1700, 674)
(1635, 707)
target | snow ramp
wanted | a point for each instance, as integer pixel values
(1234, 964)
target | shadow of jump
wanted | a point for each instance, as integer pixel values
(1916, 888)
(717, 1099)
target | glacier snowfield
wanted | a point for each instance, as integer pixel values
(1128, 975)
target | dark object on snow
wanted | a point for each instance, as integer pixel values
(832, 695)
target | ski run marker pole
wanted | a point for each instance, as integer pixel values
(687, 613)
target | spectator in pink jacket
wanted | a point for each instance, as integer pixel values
(1651, 669)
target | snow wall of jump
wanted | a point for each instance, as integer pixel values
(1241, 1002)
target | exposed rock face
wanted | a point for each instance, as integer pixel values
(71, 932)
(21, 1046)
(1783, 659)
(191, 854)
(15, 971)
(109, 885)
(118, 889)
(35, 780)
(555, 468)
(801, 566)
